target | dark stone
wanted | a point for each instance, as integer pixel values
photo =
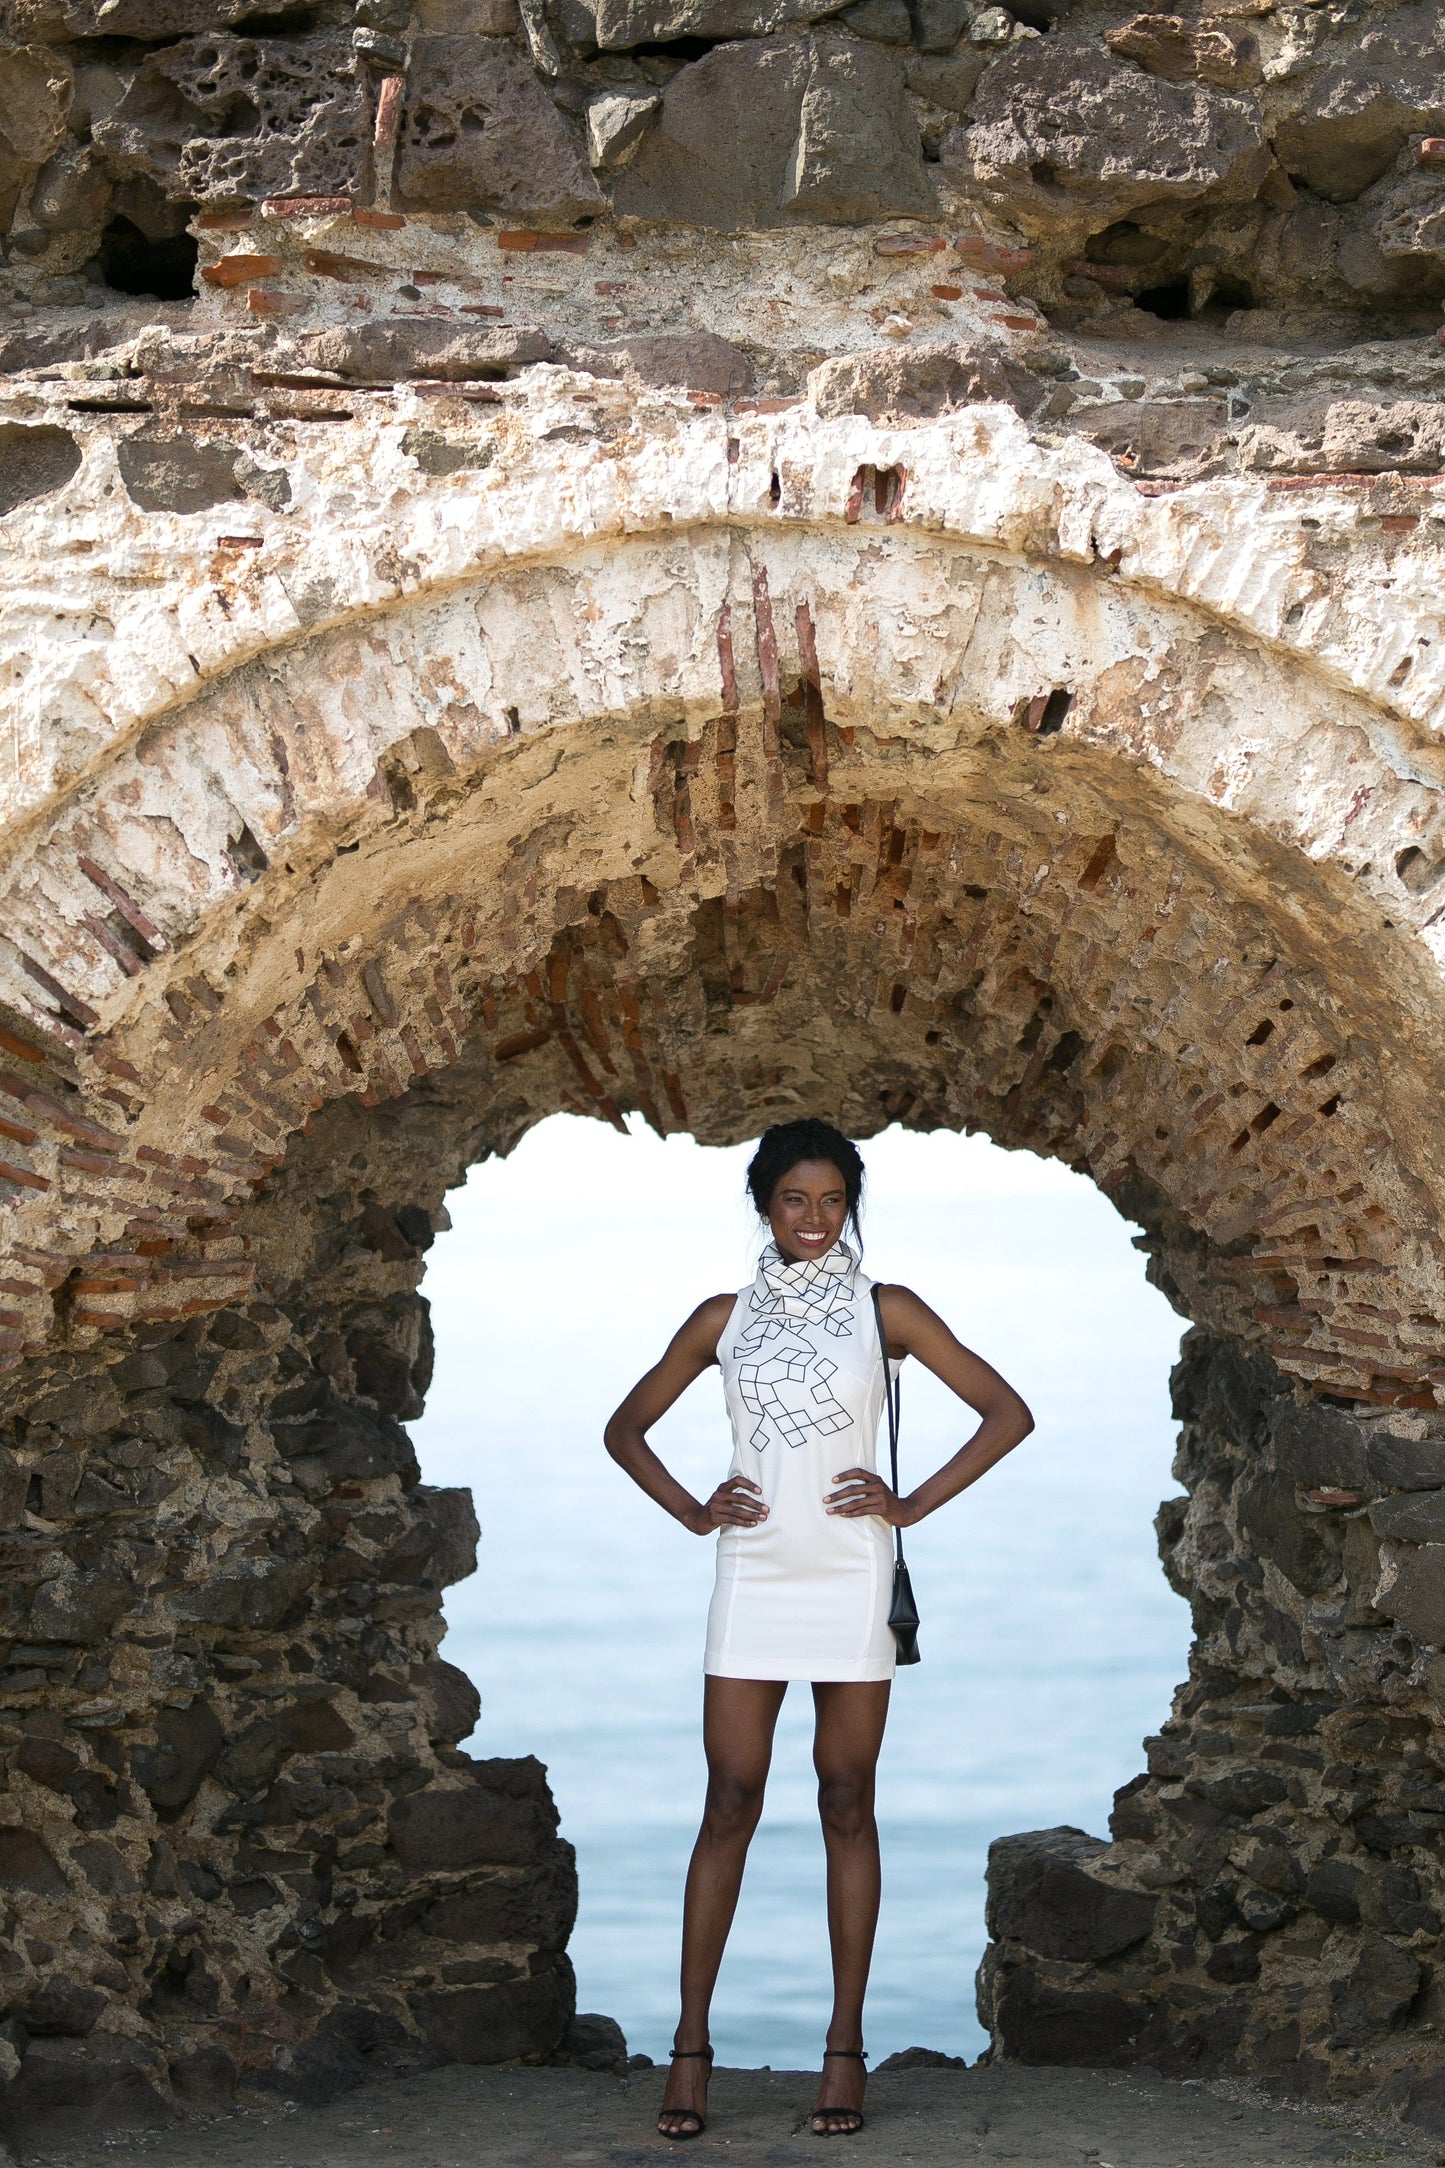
(921, 2059)
(1234, 1961)
(255, 1594)
(188, 1745)
(1241, 1792)
(1321, 1448)
(1393, 1902)
(594, 2043)
(1375, 1997)
(437, 455)
(104, 1869)
(79, 1607)
(204, 2078)
(62, 2007)
(692, 360)
(1415, 1599)
(232, 119)
(35, 460)
(763, 133)
(436, 1831)
(440, 1547)
(422, 346)
(351, 1443)
(538, 1906)
(455, 1703)
(315, 1727)
(1040, 1894)
(354, 2042)
(1269, 1514)
(1406, 1463)
(1036, 2021)
(1225, 1388)
(109, 2082)
(177, 474)
(1425, 2104)
(252, 1759)
(1333, 1890)
(46, 1762)
(25, 1863)
(1410, 1519)
(479, 133)
(496, 2024)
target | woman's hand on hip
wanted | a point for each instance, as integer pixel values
(864, 1494)
(737, 1503)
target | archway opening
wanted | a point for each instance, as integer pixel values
(1053, 1640)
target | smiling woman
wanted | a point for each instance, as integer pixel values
(1052, 1636)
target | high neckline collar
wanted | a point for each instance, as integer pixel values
(787, 1275)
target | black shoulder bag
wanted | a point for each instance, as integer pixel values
(903, 1612)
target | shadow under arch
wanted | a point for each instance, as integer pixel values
(943, 840)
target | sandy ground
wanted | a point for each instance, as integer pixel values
(508, 2118)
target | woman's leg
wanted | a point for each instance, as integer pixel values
(847, 1739)
(738, 1718)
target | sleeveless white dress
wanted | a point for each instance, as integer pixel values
(806, 1594)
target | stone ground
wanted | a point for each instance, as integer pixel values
(513, 2118)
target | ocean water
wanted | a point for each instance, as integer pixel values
(1051, 1642)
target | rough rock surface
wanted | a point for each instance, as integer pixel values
(686, 557)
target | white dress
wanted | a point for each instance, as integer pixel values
(806, 1594)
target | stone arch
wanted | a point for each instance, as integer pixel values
(849, 802)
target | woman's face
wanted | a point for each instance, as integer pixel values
(808, 1210)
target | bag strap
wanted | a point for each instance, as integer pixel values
(893, 1399)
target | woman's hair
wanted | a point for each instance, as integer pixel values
(786, 1143)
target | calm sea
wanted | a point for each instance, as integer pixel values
(1051, 1641)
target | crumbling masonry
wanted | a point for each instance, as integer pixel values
(709, 558)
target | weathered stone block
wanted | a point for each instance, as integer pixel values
(1413, 1594)
(901, 383)
(420, 346)
(1406, 1463)
(177, 474)
(496, 2024)
(188, 1744)
(618, 25)
(1377, 1993)
(1042, 1896)
(1411, 1519)
(1038, 2021)
(693, 360)
(232, 119)
(1319, 1447)
(480, 133)
(455, 1704)
(537, 1906)
(1061, 122)
(785, 128)
(35, 459)
(1354, 110)
(26, 1863)
(445, 1831)
(440, 1546)
(1269, 1515)
(79, 1607)
(36, 87)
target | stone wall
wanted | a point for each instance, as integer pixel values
(707, 559)
(1271, 1902)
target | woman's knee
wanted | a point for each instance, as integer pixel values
(733, 1807)
(845, 1806)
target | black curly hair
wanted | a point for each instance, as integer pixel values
(786, 1143)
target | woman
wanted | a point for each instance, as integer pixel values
(803, 1565)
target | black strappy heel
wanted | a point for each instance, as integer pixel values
(851, 2128)
(681, 2055)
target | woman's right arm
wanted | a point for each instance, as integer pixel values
(690, 1352)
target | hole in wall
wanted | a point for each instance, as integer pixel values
(1169, 302)
(163, 270)
(601, 1680)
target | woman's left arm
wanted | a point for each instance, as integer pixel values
(913, 1329)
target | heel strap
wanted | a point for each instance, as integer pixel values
(680, 2055)
(854, 2055)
